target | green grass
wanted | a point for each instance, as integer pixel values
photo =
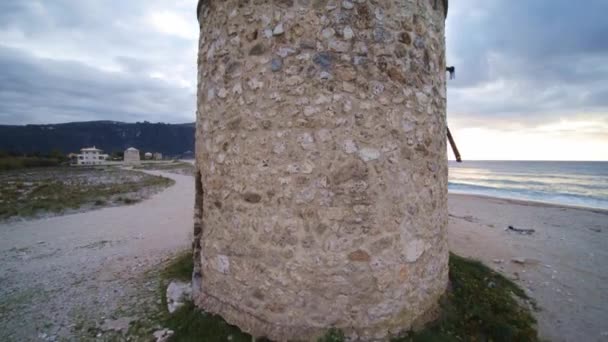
(179, 268)
(479, 306)
(56, 190)
(193, 325)
(333, 335)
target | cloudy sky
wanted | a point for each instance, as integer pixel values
(532, 75)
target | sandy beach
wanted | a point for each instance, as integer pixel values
(565, 260)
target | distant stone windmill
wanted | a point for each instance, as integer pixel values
(322, 167)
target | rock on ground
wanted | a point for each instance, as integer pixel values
(178, 292)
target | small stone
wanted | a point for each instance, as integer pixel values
(348, 33)
(223, 264)
(324, 75)
(222, 93)
(405, 38)
(163, 335)
(369, 154)
(251, 197)
(348, 87)
(339, 46)
(347, 4)
(257, 50)
(178, 293)
(396, 75)
(359, 256)
(294, 80)
(276, 64)
(346, 74)
(285, 51)
(278, 30)
(521, 261)
(349, 147)
(324, 59)
(328, 32)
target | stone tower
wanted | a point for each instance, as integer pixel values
(322, 165)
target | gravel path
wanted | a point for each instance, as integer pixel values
(61, 278)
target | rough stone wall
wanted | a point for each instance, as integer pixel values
(322, 186)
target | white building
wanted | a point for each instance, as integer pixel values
(148, 155)
(91, 156)
(131, 156)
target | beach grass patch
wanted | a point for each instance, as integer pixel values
(56, 190)
(480, 305)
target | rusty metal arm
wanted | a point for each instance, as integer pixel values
(454, 148)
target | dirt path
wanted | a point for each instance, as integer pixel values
(565, 260)
(63, 276)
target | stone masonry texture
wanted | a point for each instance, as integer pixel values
(322, 165)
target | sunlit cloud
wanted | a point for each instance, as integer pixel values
(172, 23)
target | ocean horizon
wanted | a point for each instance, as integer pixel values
(572, 183)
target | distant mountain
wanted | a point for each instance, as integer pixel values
(110, 136)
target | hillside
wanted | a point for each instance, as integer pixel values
(111, 136)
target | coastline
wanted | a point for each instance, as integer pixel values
(529, 202)
(563, 265)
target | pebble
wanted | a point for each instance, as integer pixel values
(276, 64)
(524, 261)
(348, 33)
(347, 5)
(278, 30)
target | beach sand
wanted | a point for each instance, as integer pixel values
(565, 261)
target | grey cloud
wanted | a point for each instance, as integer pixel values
(66, 60)
(34, 90)
(549, 57)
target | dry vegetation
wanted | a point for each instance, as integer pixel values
(52, 191)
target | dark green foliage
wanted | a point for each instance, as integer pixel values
(188, 322)
(191, 324)
(333, 335)
(480, 306)
(112, 137)
(15, 163)
(180, 267)
(55, 190)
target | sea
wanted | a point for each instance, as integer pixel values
(582, 184)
